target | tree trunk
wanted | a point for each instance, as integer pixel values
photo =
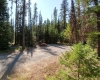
(23, 26)
(16, 25)
(96, 2)
(98, 27)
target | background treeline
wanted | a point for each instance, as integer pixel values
(73, 24)
(37, 29)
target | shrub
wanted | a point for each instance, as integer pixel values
(80, 64)
(92, 39)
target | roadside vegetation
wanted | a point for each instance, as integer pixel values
(80, 63)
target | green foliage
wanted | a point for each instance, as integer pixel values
(53, 35)
(51, 32)
(61, 37)
(6, 30)
(65, 34)
(63, 13)
(6, 35)
(93, 39)
(80, 64)
(93, 9)
(3, 12)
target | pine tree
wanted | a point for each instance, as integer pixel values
(35, 18)
(30, 30)
(6, 30)
(78, 17)
(16, 23)
(35, 15)
(58, 26)
(64, 12)
(93, 6)
(73, 23)
(47, 36)
(55, 17)
(23, 26)
(40, 32)
(97, 12)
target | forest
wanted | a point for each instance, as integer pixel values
(77, 25)
(68, 26)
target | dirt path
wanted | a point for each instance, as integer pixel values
(32, 56)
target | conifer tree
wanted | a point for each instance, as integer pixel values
(73, 23)
(23, 26)
(30, 30)
(93, 6)
(64, 12)
(55, 17)
(35, 18)
(6, 30)
(40, 32)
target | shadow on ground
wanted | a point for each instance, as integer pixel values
(30, 51)
(46, 49)
(11, 65)
(51, 49)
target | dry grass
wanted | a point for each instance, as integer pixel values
(37, 71)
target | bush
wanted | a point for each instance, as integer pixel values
(80, 64)
(93, 39)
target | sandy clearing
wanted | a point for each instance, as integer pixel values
(32, 56)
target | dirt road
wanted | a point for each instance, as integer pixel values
(33, 55)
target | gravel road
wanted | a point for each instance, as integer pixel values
(33, 55)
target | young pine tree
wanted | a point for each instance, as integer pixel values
(80, 63)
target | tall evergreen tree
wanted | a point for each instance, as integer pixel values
(47, 31)
(23, 26)
(58, 26)
(73, 23)
(40, 32)
(97, 12)
(55, 17)
(16, 23)
(78, 13)
(64, 12)
(78, 10)
(5, 28)
(30, 30)
(93, 6)
(35, 18)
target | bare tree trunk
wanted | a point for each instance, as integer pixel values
(16, 24)
(23, 27)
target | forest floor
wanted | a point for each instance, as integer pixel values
(31, 64)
